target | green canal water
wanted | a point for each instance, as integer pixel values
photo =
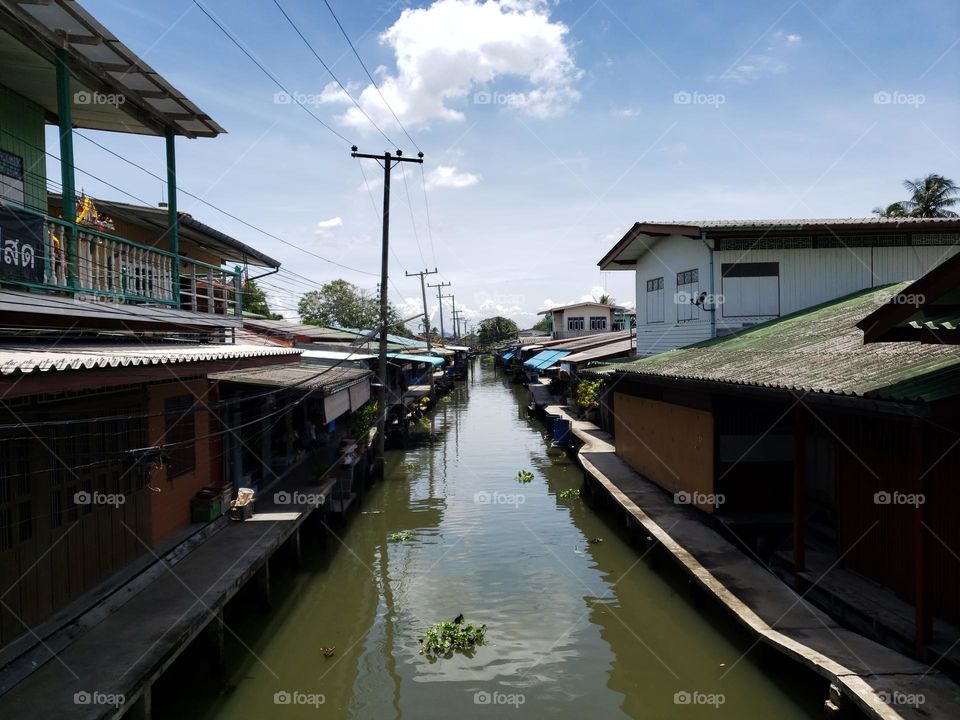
(575, 629)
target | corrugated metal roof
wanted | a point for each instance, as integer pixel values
(817, 350)
(433, 360)
(611, 350)
(804, 222)
(306, 376)
(289, 329)
(545, 359)
(28, 358)
(333, 355)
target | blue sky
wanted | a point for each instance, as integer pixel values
(548, 127)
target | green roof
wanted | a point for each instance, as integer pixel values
(820, 350)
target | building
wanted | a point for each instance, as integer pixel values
(585, 318)
(826, 441)
(696, 280)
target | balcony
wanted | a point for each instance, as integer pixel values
(99, 267)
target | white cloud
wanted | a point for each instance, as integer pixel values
(447, 176)
(764, 64)
(325, 228)
(628, 112)
(453, 48)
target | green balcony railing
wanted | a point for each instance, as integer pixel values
(108, 268)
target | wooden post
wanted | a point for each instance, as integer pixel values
(923, 620)
(799, 492)
(263, 583)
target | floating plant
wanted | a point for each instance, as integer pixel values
(445, 638)
(524, 476)
(401, 536)
(569, 494)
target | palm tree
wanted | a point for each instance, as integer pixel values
(892, 210)
(931, 197)
(605, 299)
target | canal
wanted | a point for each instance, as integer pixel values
(575, 628)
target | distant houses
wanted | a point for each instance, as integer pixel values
(696, 280)
(584, 318)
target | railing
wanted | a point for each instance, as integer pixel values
(108, 268)
(565, 334)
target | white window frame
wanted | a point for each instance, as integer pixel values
(655, 300)
(688, 286)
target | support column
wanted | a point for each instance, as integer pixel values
(173, 219)
(263, 583)
(143, 708)
(69, 193)
(217, 638)
(799, 489)
(923, 620)
(236, 447)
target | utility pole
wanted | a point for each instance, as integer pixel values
(387, 161)
(440, 296)
(456, 323)
(456, 333)
(426, 316)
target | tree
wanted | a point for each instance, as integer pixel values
(255, 301)
(342, 304)
(930, 197)
(496, 329)
(605, 299)
(544, 324)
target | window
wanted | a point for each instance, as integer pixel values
(575, 323)
(598, 323)
(179, 435)
(11, 178)
(750, 289)
(655, 300)
(688, 289)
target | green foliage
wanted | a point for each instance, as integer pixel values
(496, 329)
(363, 419)
(587, 394)
(544, 324)
(524, 476)
(445, 638)
(401, 536)
(933, 196)
(342, 304)
(255, 301)
(569, 494)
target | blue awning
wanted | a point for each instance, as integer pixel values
(509, 355)
(545, 359)
(416, 358)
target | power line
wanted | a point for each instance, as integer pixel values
(413, 222)
(426, 205)
(374, 82)
(265, 71)
(327, 68)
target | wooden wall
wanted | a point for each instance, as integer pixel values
(670, 444)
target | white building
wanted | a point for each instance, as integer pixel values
(585, 318)
(696, 280)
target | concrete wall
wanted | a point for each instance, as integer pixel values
(669, 444)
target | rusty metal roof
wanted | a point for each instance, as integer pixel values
(328, 377)
(818, 350)
(30, 358)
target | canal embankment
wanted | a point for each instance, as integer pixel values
(863, 675)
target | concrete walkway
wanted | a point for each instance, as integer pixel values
(124, 653)
(878, 681)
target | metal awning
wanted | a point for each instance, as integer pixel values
(416, 358)
(545, 360)
(329, 378)
(337, 356)
(135, 98)
(509, 355)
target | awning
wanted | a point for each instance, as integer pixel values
(416, 358)
(546, 359)
(509, 355)
(333, 355)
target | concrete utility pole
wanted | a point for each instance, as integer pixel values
(387, 161)
(453, 312)
(426, 315)
(456, 323)
(440, 297)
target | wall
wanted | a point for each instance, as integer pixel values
(170, 508)
(669, 444)
(806, 278)
(21, 133)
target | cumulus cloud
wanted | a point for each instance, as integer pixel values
(447, 176)
(451, 49)
(627, 112)
(325, 228)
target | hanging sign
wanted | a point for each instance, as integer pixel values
(21, 246)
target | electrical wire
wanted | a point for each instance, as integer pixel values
(369, 75)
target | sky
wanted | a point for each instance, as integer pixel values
(548, 129)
